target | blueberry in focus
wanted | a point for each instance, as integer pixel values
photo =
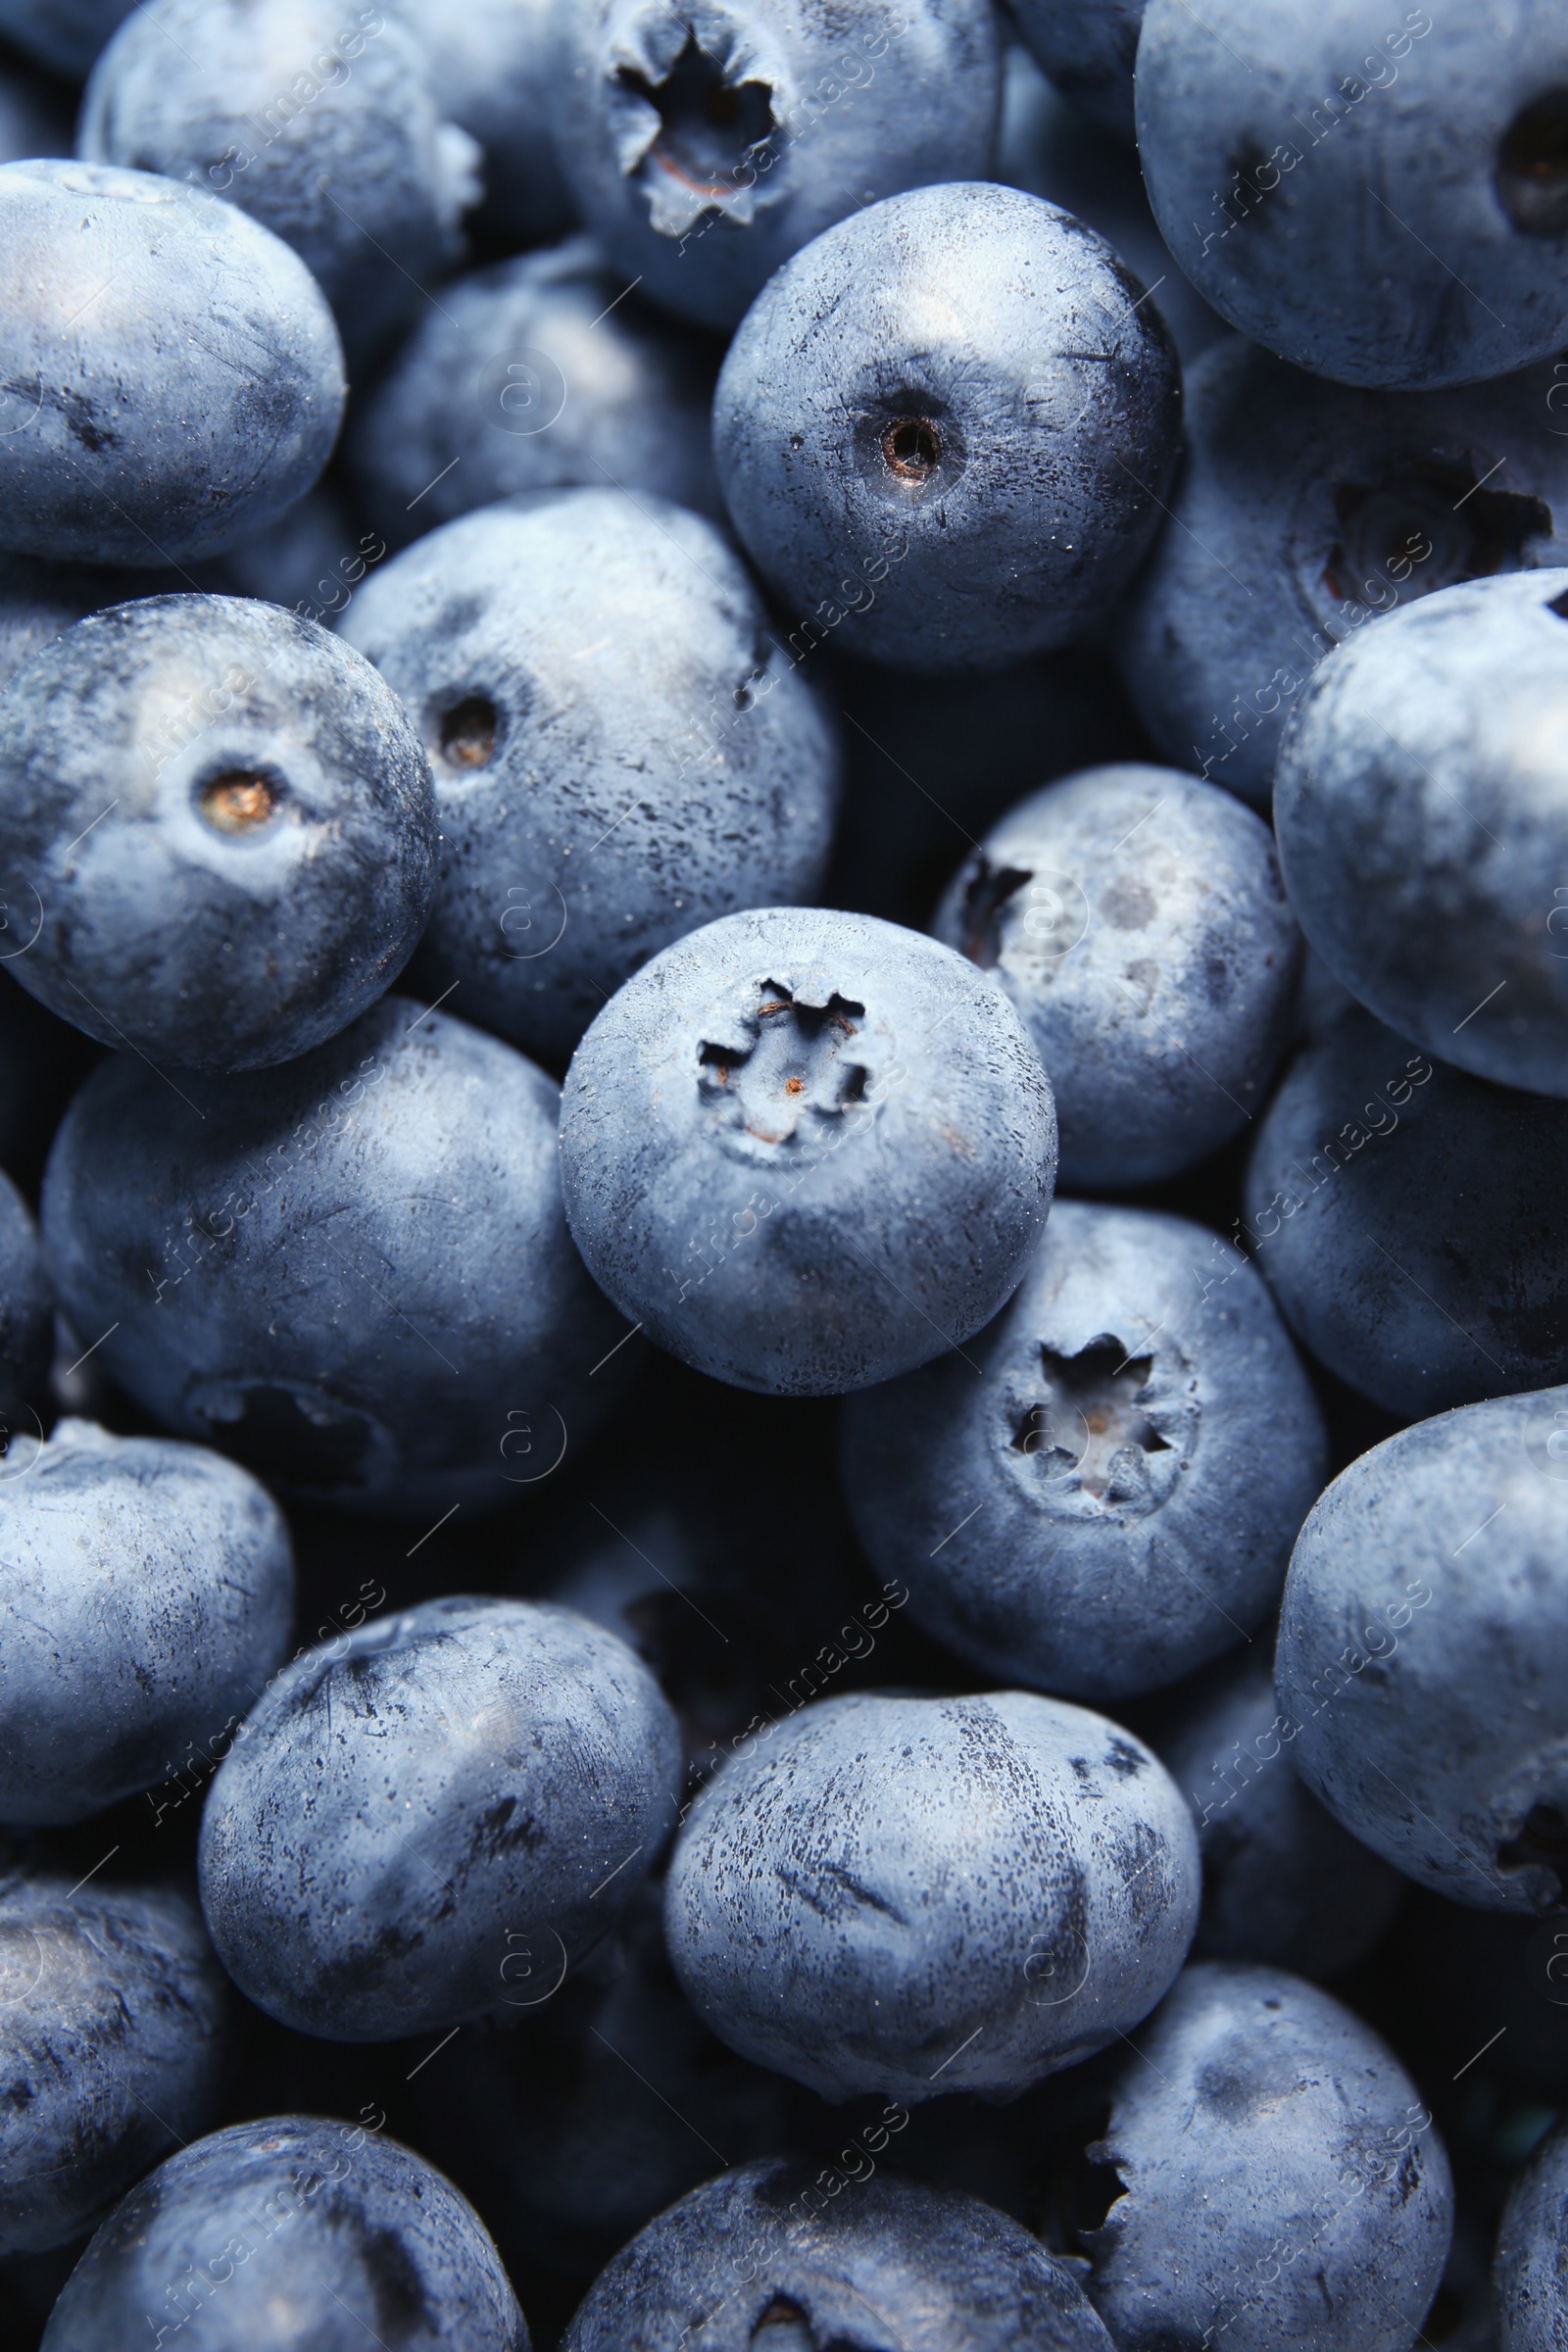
(621, 748)
(1136, 918)
(945, 430)
(1528, 2275)
(1087, 47)
(806, 1150)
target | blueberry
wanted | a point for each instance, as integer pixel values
(489, 66)
(759, 2260)
(148, 1594)
(170, 378)
(353, 1272)
(1137, 919)
(1088, 51)
(225, 824)
(1422, 1651)
(1284, 2185)
(1374, 204)
(1406, 1218)
(921, 1896)
(806, 1150)
(343, 156)
(1140, 1423)
(1527, 2275)
(425, 1815)
(27, 1327)
(945, 428)
(1417, 804)
(65, 36)
(621, 749)
(705, 150)
(533, 376)
(1306, 509)
(291, 2230)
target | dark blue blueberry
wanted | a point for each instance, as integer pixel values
(225, 824)
(489, 65)
(147, 1593)
(113, 2045)
(27, 1326)
(1134, 1422)
(65, 35)
(353, 1272)
(427, 1818)
(622, 752)
(921, 1896)
(1529, 2274)
(1137, 920)
(806, 1150)
(1087, 47)
(291, 2231)
(170, 378)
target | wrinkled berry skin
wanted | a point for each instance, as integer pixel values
(1423, 1652)
(180, 407)
(917, 1895)
(353, 1273)
(1140, 1423)
(1264, 130)
(1527, 2275)
(1415, 804)
(1284, 2182)
(765, 2257)
(292, 2222)
(419, 1819)
(621, 749)
(1407, 1218)
(1088, 51)
(1137, 920)
(26, 1318)
(945, 430)
(148, 1595)
(488, 67)
(225, 824)
(704, 147)
(114, 2044)
(806, 1150)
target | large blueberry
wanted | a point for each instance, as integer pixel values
(27, 1326)
(489, 65)
(945, 428)
(113, 2046)
(292, 2230)
(1100, 1492)
(1423, 819)
(1087, 47)
(1423, 1651)
(1407, 1218)
(170, 378)
(1137, 919)
(1377, 196)
(621, 749)
(806, 1150)
(353, 1272)
(147, 1593)
(705, 148)
(1531, 2273)
(424, 1817)
(920, 1895)
(224, 824)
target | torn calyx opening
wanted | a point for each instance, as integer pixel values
(700, 140)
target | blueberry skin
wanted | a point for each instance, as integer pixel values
(65, 35)
(1439, 1740)
(1263, 129)
(1407, 1219)
(1283, 2182)
(1303, 510)
(1139, 1424)
(115, 2047)
(766, 2260)
(915, 446)
(292, 2229)
(356, 171)
(489, 68)
(352, 1273)
(432, 1810)
(181, 407)
(1529, 2276)
(225, 824)
(40, 602)
(806, 1150)
(147, 1593)
(1136, 918)
(1414, 804)
(704, 146)
(26, 1318)
(916, 1896)
(621, 749)
(1088, 53)
(521, 381)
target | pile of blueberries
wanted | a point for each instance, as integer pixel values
(784, 1244)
